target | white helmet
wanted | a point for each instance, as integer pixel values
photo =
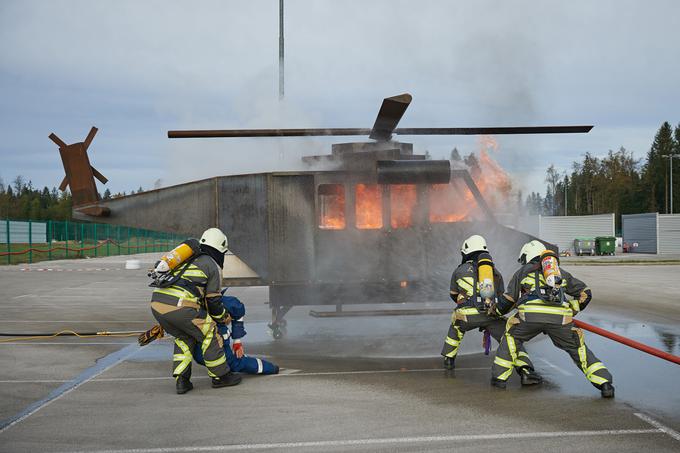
(474, 243)
(213, 237)
(530, 250)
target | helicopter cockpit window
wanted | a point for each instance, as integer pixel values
(403, 199)
(368, 206)
(331, 206)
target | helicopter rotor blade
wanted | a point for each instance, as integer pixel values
(233, 133)
(391, 111)
(493, 130)
(236, 133)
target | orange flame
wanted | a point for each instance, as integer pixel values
(332, 207)
(454, 202)
(368, 206)
(403, 199)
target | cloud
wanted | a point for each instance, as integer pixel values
(137, 69)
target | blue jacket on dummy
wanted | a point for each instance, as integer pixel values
(245, 364)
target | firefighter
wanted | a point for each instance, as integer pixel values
(236, 358)
(542, 308)
(473, 312)
(188, 307)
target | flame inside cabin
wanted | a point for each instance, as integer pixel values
(403, 200)
(331, 206)
(368, 206)
(446, 203)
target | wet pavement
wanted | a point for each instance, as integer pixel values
(347, 384)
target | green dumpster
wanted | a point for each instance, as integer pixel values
(605, 245)
(584, 246)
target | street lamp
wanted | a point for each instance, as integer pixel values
(670, 158)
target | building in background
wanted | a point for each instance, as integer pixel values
(652, 233)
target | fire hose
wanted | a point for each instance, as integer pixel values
(628, 342)
(66, 333)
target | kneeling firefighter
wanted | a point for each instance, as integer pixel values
(475, 287)
(236, 358)
(538, 290)
(187, 303)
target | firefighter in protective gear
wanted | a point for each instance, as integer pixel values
(545, 309)
(189, 305)
(473, 312)
(236, 358)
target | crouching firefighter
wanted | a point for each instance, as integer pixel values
(236, 358)
(538, 290)
(187, 304)
(475, 287)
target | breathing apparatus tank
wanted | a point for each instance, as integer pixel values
(551, 269)
(485, 276)
(178, 255)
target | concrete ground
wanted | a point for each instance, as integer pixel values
(347, 384)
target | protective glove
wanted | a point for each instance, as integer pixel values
(584, 298)
(150, 335)
(238, 349)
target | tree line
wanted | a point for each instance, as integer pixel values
(617, 182)
(21, 201)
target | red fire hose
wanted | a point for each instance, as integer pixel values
(628, 342)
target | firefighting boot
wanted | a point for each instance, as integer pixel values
(449, 363)
(529, 376)
(499, 383)
(607, 390)
(227, 380)
(183, 384)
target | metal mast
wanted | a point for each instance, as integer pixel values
(281, 70)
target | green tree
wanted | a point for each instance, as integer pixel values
(655, 173)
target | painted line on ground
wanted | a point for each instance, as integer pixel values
(670, 431)
(102, 365)
(285, 372)
(392, 440)
(555, 367)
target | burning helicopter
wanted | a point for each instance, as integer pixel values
(380, 226)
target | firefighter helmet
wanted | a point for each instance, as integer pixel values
(213, 237)
(530, 250)
(474, 243)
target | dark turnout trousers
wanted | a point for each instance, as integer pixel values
(189, 329)
(468, 318)
(564, 336)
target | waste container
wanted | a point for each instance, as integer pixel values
(605, 245)
(584, 246)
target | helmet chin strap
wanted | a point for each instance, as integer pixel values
(214, 254)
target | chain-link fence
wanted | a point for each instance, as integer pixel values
(32, 241)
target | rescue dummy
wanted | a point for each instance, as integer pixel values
(475, 288)
(187, 304)
(539, 291)
(236, 358)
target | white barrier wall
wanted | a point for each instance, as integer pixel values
(669, 233)
(19, 232)
(562, 230)
(641, 229)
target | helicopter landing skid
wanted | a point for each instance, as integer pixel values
(278, 324)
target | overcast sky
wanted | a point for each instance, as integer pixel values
(136, 69)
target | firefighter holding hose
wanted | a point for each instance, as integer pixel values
(475, 288)
(538, 290)
(187, 303)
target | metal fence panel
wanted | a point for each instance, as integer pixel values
(669, 233)
(58, 240)
(640, 229)
(19, 232)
